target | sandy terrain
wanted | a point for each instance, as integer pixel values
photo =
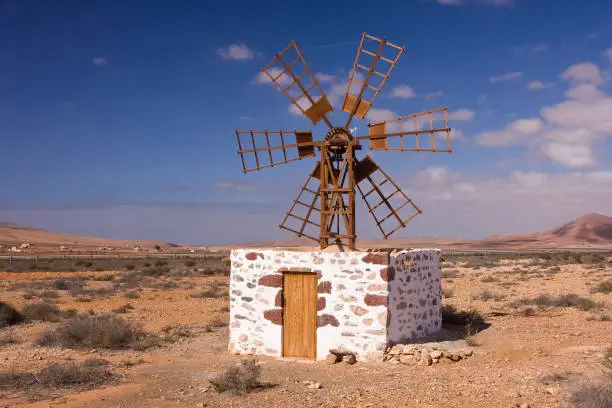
(536, 357)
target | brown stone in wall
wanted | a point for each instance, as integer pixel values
(376, 300)
(278, 300)
(387, 274)
(326, 319)
(275, 281)
(378, 258)
(274, 315)
(320, 303)
(252, 256)
(358, 310)
(324, 287)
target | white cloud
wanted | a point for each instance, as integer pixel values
(462, 115)
(570, 155)
(99, 61)
(378, 115)
(230, 185)
(565, 132)
(608, 53)
(263, 78)
(541, 48)
(434, 95)
(402, 91)
(585, 72)
(323, 78)
(239, 52)
(538, 85)
(506, 77)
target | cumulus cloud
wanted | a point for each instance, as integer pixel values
(263, 78)
(608, 53)
(403, 91)
(433, 95)
(564, 132)
(585, 72)
(378, 115)
(239, 52)
(511, 76)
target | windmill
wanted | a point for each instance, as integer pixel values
(324, 210)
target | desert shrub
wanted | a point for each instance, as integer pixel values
(42, 311)
(107, 331)
(592, 396)
(528, 312)
(130, 267)
(9, 337)
(132, 294)
(239, 379)
(190, 264)
(568, 300)
(486, 295)
(592, 259)
(49, 294)
(161, 262)
(489, 279)
(68, 283)
(9, 315)
(450, 273)
(174, 333)
(207, 294)
(68, 313)
(603, 287)
(450, 315)
(469, 338)
(226, 260)
(61, 375)
(156, 271)
(123, 309)
(104, 278)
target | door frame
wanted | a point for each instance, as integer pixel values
(316, 311)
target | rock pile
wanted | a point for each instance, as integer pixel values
(336, 356)
(419, 355)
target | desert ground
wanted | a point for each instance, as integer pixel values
(153, 333)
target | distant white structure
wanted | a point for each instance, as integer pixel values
(64, 248)
(14, 249)
(25, 245)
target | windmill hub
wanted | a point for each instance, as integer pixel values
(339, 138)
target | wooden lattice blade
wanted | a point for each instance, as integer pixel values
(421, 132)
(290, 73)
(373, 64)
(386, 202)
(303, 218)
(259, 149)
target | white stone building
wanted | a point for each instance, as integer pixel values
(304, 304)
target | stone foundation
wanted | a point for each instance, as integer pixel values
(366, 301)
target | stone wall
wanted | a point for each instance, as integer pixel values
(414, 295)
(353, 299)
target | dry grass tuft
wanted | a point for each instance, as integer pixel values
(238, 380)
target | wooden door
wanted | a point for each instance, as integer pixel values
(300, 315)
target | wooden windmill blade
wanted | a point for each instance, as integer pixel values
(385, 200)
(418, 132)
(301, 217)
(259, 149)
(290, 73)
(371, 70)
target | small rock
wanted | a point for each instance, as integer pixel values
(436, 354)
(349, 359)
(408, 360)
(453, 357)
(467, 353)
(551, 391)
(332, 359)
(395, 350)
(315, 386)
(426, 360)
(524, 406)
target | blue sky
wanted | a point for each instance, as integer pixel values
(117, 118)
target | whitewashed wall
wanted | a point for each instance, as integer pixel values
(353, 299)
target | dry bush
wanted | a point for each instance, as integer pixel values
(450, 315)
(568, 300)
(103, 278)
(132, 294)
(9, 337)
(487, 295)
(450, 273)
(239, 379)
(593, 396)
(9, 315)
(123, 309)
(603, 287)
(489, 279)
(107, 331)
(42, 311)
(68, 283)
(209, 293)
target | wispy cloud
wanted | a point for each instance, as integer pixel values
(99, 61)
(377, 115)
(538, 85)
(231, 185)
(511, 76)
(402, 91)
(434, 95)
(462, 115)
(239, 52)
(263, 78)
(541, 48)
(608, 53)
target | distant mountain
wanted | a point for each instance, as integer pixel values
(590, 230)
(13, 234)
